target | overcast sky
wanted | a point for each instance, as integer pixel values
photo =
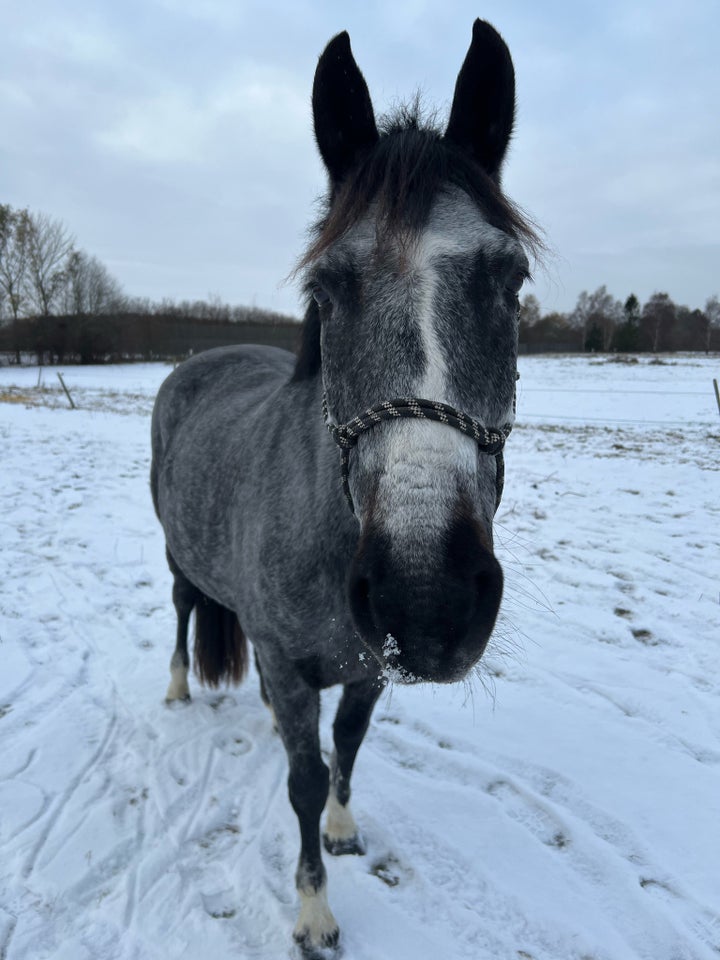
(174, 138)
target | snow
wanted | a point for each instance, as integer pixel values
(564, 805)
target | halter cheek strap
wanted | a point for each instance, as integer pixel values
(346, 435)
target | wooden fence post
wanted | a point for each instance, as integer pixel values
(67, 392)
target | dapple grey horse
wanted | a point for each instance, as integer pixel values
(336, 507)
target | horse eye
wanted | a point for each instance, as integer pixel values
(320, 296)
(516, 281)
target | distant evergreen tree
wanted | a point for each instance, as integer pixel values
(594, 339)
(627, 335)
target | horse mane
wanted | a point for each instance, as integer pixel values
(401, 175)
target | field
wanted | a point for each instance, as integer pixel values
(563, 805)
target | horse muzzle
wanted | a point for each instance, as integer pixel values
(427, 612)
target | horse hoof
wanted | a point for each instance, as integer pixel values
(327, 949)
(171, 701)
(339, 847)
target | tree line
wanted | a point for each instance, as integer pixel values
(62, 305)
(600, 323)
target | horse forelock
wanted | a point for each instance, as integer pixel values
(396, 184)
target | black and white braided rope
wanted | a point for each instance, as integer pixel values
(346, 435)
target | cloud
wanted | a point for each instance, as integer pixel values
(177, 133)
(256, 103)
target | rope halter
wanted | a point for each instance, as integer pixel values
(489, 441)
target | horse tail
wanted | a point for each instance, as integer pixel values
(221, 649)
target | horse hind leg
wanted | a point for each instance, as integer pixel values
(220, 645)
(341, 835)
(264, 695)
(185, 596)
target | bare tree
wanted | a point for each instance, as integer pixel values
(14, 239)
(529, 318)
(49, 246)
(580, 316)
(14, 244)
(595, 317)
(530, 310)
(90, 289)
(73, 294)
(5, 234)
(658, 317)
(605, 313)
(712, 319)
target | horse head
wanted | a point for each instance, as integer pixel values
(413, 281)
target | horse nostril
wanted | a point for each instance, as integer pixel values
(488, 592)
(360, 602)
(484, 582)
(361, 590)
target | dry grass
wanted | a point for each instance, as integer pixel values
(13, 395)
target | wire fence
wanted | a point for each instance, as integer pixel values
(661, 393)
(702, 421)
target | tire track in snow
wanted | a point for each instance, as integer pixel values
(599, 852)
(493, 816)
(61, 802)
(18, 771)
(215, 829)
(6, 932)
(132, 873)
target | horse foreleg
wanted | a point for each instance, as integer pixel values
(308, 788)
(351, 722)
(297, 709)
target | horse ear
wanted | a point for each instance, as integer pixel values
(342, 109)
(483, 110)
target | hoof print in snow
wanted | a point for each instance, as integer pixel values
(530, 815)
(648, 883)
(216, 836)
(388, 870)
(224, 915)
(218, 701)
(558, 840)
(342, 847)
(218, 905)
(646, 637)
(240, 746)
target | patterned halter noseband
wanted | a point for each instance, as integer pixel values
(490, 442)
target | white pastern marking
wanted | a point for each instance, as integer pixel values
(340, 824)
(178, 689)
(316, 922)
(275, 726)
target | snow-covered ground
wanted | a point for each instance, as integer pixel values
(565, 806)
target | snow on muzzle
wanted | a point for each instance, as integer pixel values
(426, 609)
